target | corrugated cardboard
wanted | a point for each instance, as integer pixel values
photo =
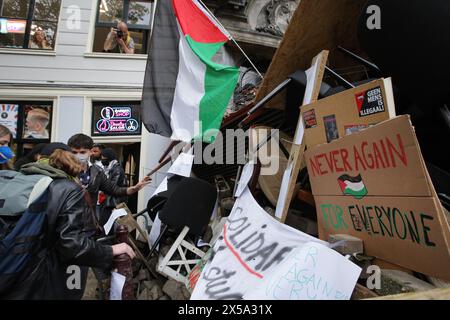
(348, 112)
(387, 157)
(397, 213)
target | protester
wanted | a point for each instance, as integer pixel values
(119, 40)
(92, 178)
(96, 154)
(115, 174)
(32, 156)
(6, 154)
(67, 242)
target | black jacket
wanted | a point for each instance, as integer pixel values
(116, 176)
(66, 244)
(100, 182)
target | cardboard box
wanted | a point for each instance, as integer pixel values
(393, 209)
(348, 112)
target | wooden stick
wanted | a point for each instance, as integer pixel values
(172, 145)
(141, 257)
(159, 166)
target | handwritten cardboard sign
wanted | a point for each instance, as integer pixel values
(252, 246)
(374, 185)
(385, 159)
(312, 272)
(348, 112)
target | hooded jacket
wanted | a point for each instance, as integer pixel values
(59, 271)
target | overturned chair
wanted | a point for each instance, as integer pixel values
(188, 211)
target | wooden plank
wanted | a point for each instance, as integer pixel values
(130, 222)
(268, 155)
(315, 26)
(383, 264)
(296, 155)
(362, 292)
(435, 294)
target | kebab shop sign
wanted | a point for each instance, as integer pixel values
(374, 185)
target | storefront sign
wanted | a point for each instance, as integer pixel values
(116, 120)
(12, 26)
(8, 117)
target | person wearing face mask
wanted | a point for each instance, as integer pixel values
(92, 178)
(116, 174)
(6, 154)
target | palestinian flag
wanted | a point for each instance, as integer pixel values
(352, 186)
(187, 84)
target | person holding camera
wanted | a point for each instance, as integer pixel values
(119, 40)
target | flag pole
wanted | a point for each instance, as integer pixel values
(232, 39)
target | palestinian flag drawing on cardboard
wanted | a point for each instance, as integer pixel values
(352, 186)
(187, 80)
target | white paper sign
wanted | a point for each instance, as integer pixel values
(161, 188)
(246, 175)
(116, 213)
(312, 272)
(117, 283)
(281, 202)
(252, 246)
(182, 165)
(155, 231)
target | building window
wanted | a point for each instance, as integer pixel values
(29, 24)
(116, 118)
(29, 122)
(136, 14)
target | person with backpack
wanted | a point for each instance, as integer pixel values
(45, 246)
(6, 154)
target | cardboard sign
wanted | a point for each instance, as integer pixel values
(252, 246)
(348, 112)
(374, 185)
(313, 272)
(385, 160)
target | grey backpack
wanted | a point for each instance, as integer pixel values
(18, 191)
(23, 216)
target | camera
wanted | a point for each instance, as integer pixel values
(119, 33)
